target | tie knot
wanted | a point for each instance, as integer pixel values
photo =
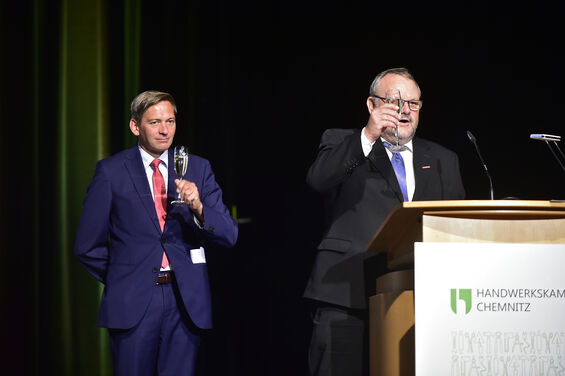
(155, 164)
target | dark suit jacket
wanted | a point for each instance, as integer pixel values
(120, 243)
(359, 194)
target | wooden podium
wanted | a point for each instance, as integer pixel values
(391, 310)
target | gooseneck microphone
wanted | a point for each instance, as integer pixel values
(474, 141)
(554, 139)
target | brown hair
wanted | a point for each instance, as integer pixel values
(143, 101)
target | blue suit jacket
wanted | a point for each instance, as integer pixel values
(120, 242)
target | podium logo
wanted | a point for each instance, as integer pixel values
(465, 295)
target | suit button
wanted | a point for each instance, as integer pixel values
(155, 270)
(211, 229)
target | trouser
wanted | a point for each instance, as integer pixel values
(339, 344)
(164, 342)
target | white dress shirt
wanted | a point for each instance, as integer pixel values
(147, 159)
(407, 156)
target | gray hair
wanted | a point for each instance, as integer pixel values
(143, 101)
(399, 71)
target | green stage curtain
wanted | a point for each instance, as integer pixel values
(82, 115)
(63, 64)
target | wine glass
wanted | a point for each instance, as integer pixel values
(393, 96)
(181, 165)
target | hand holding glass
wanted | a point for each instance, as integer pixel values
(181, 165)
(393, 96)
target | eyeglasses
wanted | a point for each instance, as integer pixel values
(412, 105)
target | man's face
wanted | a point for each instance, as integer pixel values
(157, 128)
(409, 119)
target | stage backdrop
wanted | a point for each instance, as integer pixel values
(256, 83)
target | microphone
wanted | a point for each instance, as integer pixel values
(547, 138)
(474, 141)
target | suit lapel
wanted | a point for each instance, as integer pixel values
(424, 165)
(381, 162)
(136, 171)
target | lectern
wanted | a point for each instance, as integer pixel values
(391, 310)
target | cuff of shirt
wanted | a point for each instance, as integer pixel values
(365, 143)
(197, 222)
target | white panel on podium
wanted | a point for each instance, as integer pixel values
(489, 309)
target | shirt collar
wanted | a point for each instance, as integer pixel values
(148, 158)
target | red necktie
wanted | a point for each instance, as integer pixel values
(160, 194)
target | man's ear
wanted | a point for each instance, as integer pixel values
(134, 127)
(371, 104)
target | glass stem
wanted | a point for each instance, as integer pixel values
(180, 179)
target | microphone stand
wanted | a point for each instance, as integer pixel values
(473, 140)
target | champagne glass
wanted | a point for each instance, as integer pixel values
(181, 165)
(393, 96)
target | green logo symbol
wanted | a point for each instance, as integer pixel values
(465, 295)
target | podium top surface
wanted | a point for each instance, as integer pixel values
(488, 204)
(405, 221)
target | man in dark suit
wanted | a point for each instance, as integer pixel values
(359, 174)
(149, 253)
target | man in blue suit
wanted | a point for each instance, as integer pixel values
(148, 253)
